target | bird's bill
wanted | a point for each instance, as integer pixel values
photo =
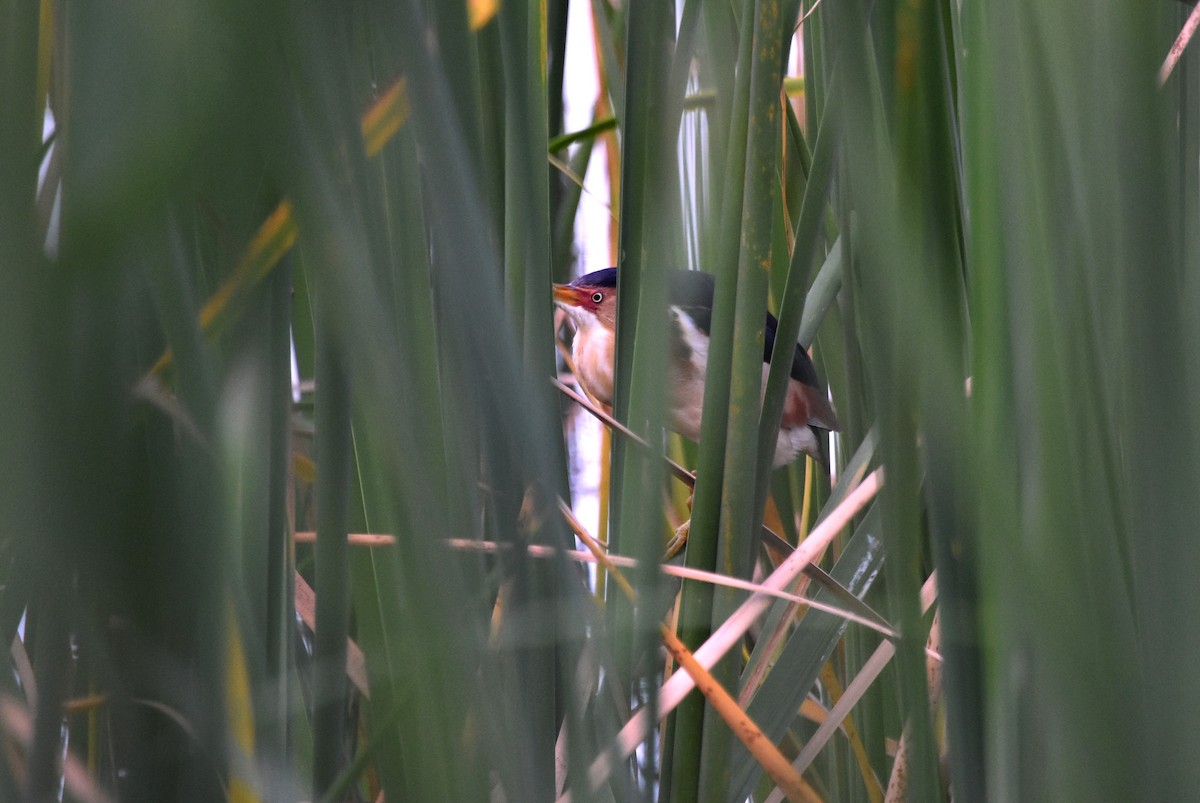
(567, 295)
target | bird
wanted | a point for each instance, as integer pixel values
(591, 303)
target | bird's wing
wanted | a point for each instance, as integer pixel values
(693, 291)
(820, 412)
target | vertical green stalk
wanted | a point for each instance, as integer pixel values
(526, 182)
(696, 603)
(19, 129)
(334, 461)
(52, 660)
(650, 227)
(930, 184)
(22, 369)
(482, 365)
(1077, 346)
(737, 538)
(885, 274)
(526, 172)
(806, 252)
(279, 592)
(448, 24)
(1161, 329)
(566, 206)
(530, 659)
(648, 148)
(323, 171)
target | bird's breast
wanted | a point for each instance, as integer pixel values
(593, 356)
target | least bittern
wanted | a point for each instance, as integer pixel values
(591, 303)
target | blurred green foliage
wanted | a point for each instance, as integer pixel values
(981, 217)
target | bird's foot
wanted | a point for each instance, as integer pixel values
(679, 540)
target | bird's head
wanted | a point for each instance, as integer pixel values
(591, 299)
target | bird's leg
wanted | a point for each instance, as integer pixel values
(679, 540)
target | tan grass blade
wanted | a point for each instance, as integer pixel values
(356, 661)
(387, 115)
(897, 791)
(763, 750)
(1181, 43)
(354, 539)
(481, 12)
(597, 549)
(79, 785)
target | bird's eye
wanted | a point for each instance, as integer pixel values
(597, 298)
